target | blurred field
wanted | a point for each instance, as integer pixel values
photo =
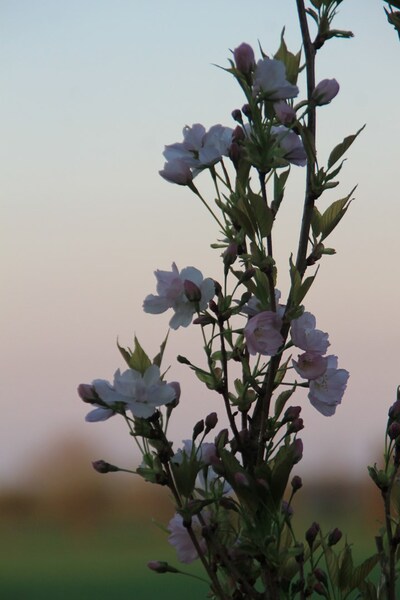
(75, 534)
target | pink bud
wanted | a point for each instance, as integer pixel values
(325, 91)
(241, 479)
(192, 291)
(244, 58)
(87, 393)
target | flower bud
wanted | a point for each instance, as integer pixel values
(87, 393)
(394, 430)
(246, 110)
(101, 466)
(237, 115)
(192, 291)
(321, 575)
(159, 566)
(295, 426)
(230, 254)
(296, 483)
(198, 429)
(244, 58)
(241, 479)
(291, 413)
(298, 450)
(203, 320)
(211, 421)
(394, 411)
(325, 91)
(312, 533)
(334, 537)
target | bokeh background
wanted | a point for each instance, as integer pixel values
(90, 93)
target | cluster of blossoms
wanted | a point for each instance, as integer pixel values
(327, 383)
(247, 468)
(200, 149)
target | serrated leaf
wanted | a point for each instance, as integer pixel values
(333, 215)
(158, 359)
(305, 286)
(341, 148)
(290, 60)
(126, 354)
(332, 565)
(281, 372)
(346, 569)
(361, 572)
(139, 361)
(279, 188)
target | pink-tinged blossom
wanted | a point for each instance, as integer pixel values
(244, 58)
(177, 171)
(171, 294)
(290, 145)
(253, 306)
(262, 333)
(179, 538)
(326, 392)
(310, 365)
(199, 149)
(305, 336)
(325, 91)
(284, 113)
(270, 80)
(140, 394)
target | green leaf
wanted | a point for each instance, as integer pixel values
(290, 60)
(139, 359)
(334, 214)
(332, 565)
(281, 401)
(125, 353)
(368, 590)
(263, 216)
(316, 222)
(158, 359)
(361, 572)
(341, 148)
(346, 569)
(279, 188)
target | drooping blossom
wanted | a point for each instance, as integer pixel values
(305, 336)
(325, 91)
(290, 145)
(199, 149)
(88, 394)
(326, 392)
(179, 538)
(171, 294)
(310, 365)
(270, 79)
(244, 58)
(262, 333)
(140, 394)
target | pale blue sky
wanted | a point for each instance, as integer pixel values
(91, 91)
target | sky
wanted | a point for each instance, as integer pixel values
(90, 94)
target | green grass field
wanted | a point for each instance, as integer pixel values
(43, 562)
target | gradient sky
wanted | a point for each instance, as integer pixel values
(91, 92)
